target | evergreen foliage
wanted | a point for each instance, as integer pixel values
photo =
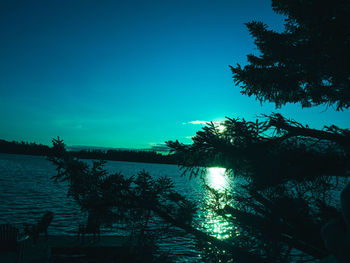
(307, 63)
(287, 175)
(141, 205)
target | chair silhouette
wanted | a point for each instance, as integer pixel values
(10, 241)
(41, 226)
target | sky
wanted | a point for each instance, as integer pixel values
(131, 73)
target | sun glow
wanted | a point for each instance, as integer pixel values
(216, 178)
(221, 128)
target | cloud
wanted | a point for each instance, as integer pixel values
(68, 123)
(202, 122)
(159, 147)
(196, 122)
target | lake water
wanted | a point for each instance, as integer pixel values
(27, 191)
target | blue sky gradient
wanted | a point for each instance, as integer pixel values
(129, 74)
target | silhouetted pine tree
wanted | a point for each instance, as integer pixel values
(287, 173)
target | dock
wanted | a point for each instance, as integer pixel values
(58, 249)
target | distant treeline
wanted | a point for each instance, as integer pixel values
(126, 155)
(113, 155)
(24, 148)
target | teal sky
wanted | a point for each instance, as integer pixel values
(129, 73)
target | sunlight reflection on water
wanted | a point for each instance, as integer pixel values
(217, 179)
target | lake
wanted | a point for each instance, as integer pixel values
(27, 192)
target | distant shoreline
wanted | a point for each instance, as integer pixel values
(25, 148)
